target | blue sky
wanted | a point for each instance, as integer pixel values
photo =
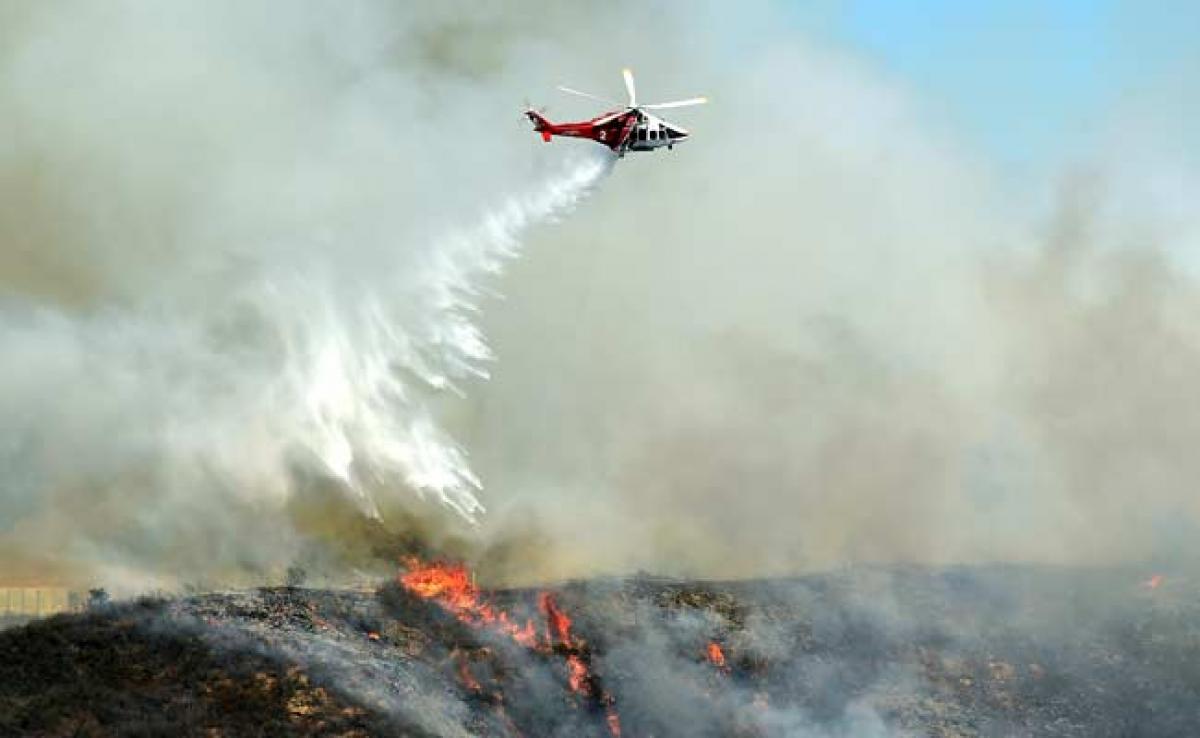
(1026, 80)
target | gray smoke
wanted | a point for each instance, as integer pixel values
(245, 250)
(822, 331)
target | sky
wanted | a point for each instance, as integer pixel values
(261, 249)
(1028, 81)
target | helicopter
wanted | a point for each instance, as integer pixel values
(629, 128)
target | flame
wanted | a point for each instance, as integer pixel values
(450, 586)
(1153, 581)
(715, 655)
(558, 630)
(558, 624)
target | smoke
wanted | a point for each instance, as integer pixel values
(830, 332)
(246, 254)
(236, 284)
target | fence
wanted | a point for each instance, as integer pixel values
(36, 601)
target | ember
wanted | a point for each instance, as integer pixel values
(577, 674)
(465, 676)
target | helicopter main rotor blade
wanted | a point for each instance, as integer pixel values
(628, 75)
(676, 103)
(609, 118)
(588, 95)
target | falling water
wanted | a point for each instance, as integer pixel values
(182, 420)
(362, 378)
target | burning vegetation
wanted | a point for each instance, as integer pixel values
(963, 652)
(450, 586)
(716, 656)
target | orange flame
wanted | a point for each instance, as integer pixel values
(715, 655)
(558, 625)
(450, 586)
(1153, 582)
(558, 630)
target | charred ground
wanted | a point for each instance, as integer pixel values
(960, 652)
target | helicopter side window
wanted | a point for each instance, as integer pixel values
(641, 134)
(653, 134)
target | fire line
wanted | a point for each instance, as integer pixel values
(450, 585)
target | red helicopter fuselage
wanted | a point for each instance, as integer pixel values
(619, 130)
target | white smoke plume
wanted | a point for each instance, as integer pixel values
(206, 306)
(345, 373)
(239, 251)
(283, 366)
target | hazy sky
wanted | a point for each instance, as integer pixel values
(1028, 81)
